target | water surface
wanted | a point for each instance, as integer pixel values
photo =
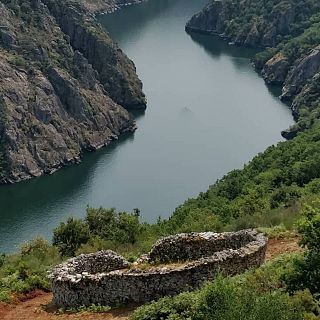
(208, 112)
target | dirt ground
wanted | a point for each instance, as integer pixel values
(37, 305)
(277, 247)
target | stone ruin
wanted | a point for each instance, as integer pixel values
(175, 264)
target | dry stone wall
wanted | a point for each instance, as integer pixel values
(105, 278)
(193, 246)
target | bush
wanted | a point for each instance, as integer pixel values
(27, 269)
(226, 299)
(306, 269)
(69, 236)
(184, 306)
(109, 225)
(101, 229)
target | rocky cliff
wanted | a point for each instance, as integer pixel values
(115, 71)
(63, 87)
(102, 6)
(253, 23)
(295, 65)
(291, 31)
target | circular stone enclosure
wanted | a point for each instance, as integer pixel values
(106, 278)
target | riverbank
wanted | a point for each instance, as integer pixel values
(194, 131)
(105, 7)
(59, 101)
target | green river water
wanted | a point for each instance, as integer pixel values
(208, 112)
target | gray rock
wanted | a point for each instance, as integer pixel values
(54, 104)
(276, 69)
(104, 277)
(217, 17)
(303, 70)
(115, 71)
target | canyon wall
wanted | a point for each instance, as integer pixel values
(64, 87)
(288, 32)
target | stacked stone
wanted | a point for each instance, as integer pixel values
(104, 277)
(88, 265)
(193, 246)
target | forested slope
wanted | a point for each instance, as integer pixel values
(289, 33)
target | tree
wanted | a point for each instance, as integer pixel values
(306, 270)
(69, 236)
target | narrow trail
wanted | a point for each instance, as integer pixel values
(38, 306)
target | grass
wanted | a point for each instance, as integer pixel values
(255, 295)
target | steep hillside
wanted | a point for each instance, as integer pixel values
(101, 6)
(254, 22)
(295, 65)
(63, 86)
(290, 30)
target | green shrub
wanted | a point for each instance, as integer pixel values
(27, 269)
(255, 295)
(184, 306)
(306, 269)
(69, 236)
(226, 299)
(101, 229)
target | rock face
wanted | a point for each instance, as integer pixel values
(276, 69)
(102, 6)
(104, 278)
(307, 96)
(290, 30)
(221, 17)
(210, 20)
(301, 84)
(302, 71)
(115, 71)
(54, 103)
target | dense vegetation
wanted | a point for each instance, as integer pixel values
(266, 23)
(306, 271)
(27, 270)
(252, 296)
(286, 288)
(102, 228)
(295, 47)
(275, 190)
(306, 103)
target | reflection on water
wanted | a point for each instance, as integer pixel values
(215, 47)
(208, 112)
(35, 207)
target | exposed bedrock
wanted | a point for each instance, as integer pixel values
(302, 71)
(300, 81)
(289, 29)
(53, 102)
(115, 70)
(276, 69)
(219, 16)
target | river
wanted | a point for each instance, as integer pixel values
(208, 112)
